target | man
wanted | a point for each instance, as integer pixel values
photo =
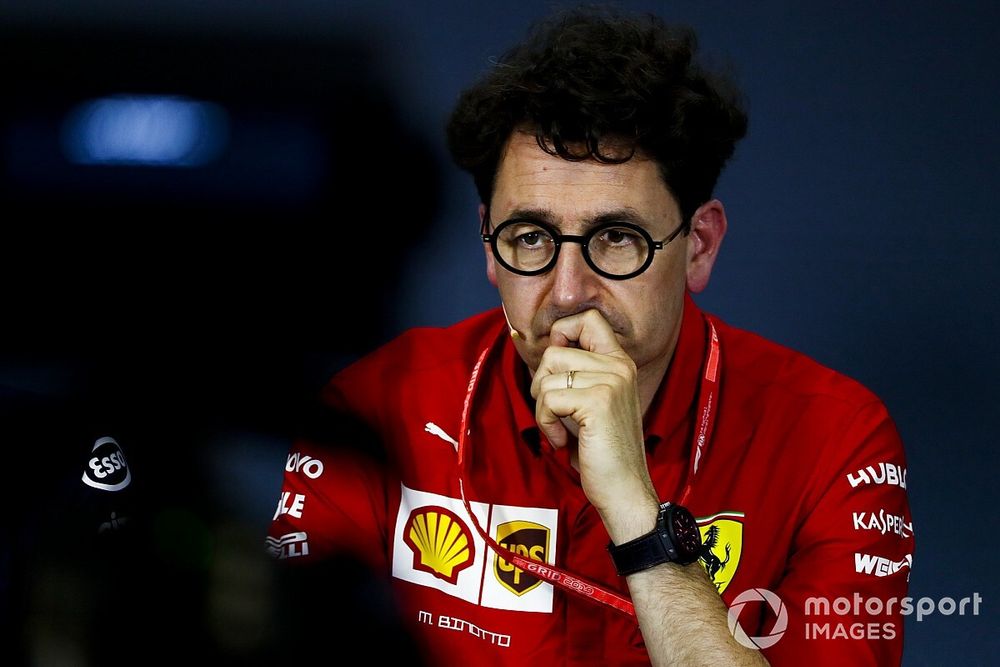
(595, 472)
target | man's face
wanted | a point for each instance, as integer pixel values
(644, 311)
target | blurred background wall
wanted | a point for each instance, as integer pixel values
(178, 289)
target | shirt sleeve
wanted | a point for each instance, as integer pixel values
(332, 501)
(845, 586)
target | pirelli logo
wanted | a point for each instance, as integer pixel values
(435, 545)
(290, 545)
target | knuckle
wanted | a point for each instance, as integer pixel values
(627, 369)
(605, 392)
(540, 409)
(549, 357)
(618, 382)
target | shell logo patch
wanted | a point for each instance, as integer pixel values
(722, 534)
(440, 541)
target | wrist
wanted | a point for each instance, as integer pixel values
(629, 520)
(675, 538)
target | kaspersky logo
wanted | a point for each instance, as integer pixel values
(441, 543)
(524, 538)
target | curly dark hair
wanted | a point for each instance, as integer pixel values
(593, 83)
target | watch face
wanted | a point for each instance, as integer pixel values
(687, 537)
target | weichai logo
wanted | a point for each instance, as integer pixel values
(440, 542)
(527, 539)
(880, 566)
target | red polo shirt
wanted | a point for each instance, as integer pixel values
(800, 495)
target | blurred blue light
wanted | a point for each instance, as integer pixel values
(145, 130)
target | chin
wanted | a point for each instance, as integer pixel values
(531, 354)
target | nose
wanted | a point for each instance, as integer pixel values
(573, 281)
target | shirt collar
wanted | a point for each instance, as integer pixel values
(517, 380)
(672, 404)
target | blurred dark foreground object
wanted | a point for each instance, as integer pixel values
(124, 546)
(186, 311)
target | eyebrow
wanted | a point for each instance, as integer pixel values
(624, 214)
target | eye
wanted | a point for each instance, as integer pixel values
(618, 237)
(528, 237)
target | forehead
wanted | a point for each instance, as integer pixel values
(529, 178)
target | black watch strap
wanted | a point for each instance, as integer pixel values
(676, 538)
(639, 554)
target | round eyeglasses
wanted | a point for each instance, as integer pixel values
(616, 250)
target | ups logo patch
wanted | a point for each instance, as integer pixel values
(527, 539)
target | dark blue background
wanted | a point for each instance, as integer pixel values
(861, 208)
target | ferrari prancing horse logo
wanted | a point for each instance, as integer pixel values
(722, 534)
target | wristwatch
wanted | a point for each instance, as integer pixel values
(676, 539)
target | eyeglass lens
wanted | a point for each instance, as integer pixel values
(616, 250)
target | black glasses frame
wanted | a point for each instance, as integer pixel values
(584, 242)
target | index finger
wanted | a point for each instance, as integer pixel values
(588, 330)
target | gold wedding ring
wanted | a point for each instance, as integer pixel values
(569, 379)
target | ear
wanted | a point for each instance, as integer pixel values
(491, 266)
(708, 227)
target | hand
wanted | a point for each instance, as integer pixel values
(604, 410)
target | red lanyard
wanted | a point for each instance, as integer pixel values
(707, 398)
